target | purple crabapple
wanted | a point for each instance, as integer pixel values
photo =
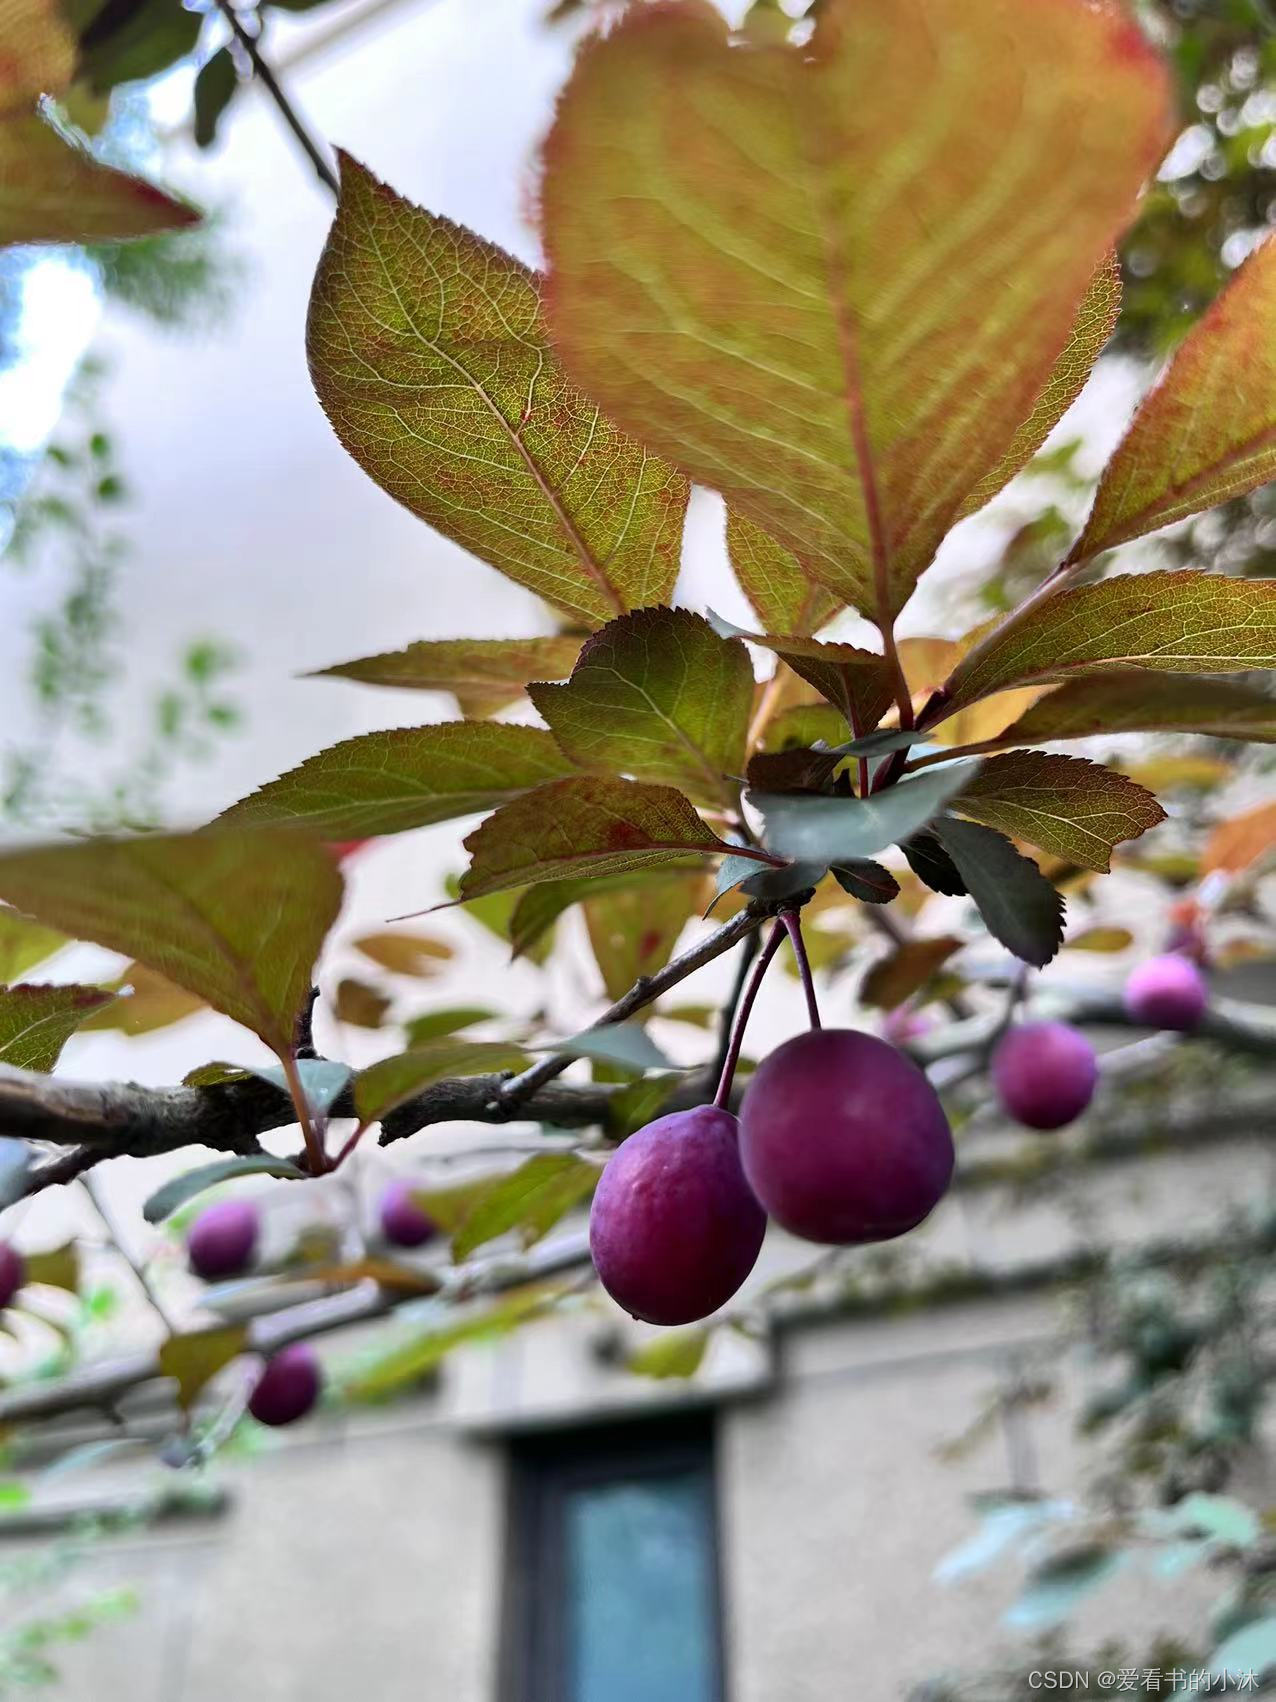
(1044, 1073)
(223, 1239)
(1166, 992)
(402, 1220)
(843, 1139)
(288, 1387)
(13, 1273)
(673, 1228)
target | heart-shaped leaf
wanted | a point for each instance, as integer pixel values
(1019, 906)
(37, 1021)
(483, 674)
(1065, 805)
(175, 1193)
(429, 355)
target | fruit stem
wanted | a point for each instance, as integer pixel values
(792, 922)
(722, 1098)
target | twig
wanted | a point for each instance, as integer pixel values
(262, 71)
(117, 1242)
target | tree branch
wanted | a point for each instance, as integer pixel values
(268, 80)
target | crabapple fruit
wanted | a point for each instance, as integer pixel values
(1166, 992)
(673, 1228)
(13, 1272)
(223, 1239)
(288, 1387)
(843, 1139)
(402, 1220)
(1044, 1073)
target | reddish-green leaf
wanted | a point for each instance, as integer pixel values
(1208, 431)
(37, 1021)
(236, 918)
(586, 826)
(429, 354)
(659, 695)
(151, 1002)
(483, 674)
(360, 1005)
(910, 966)
(405, 777)
(1065, 805)
(784, 596)
(404, 953)
(1178, 623)
(1138, 700)
(838, 319)
(633, 931)
(393, 1081)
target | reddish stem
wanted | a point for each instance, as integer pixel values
(793, 923)
(318, 1158)
(722, 1098)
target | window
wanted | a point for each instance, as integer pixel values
(611, 1572)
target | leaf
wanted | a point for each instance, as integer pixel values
(1219, 1517)
(806, 724)
(842, 321)
(179, 1189)
(358, 1004)
(866, 880)
(1058, 1585)
(403, 778)
(429, 354)
(785, 882)
(236, 918)
(1019, 906)
(633, 932)
(323, 1081)
(784, 597)
(495, 912)
(1252, 1649)
(1066, 805)
(1207, 432)
(215, 87)
(931, 863)
(625, 1043)
(835, 830)
(214, 1074)
(540, 906)
(435, 1025)
(194, 1359)
(393, 1081)
(909, 967)
(483, 674)
(798, 769)
(1139, 700)
(1237, 844)
(1178, 623)
(673, 1353)
(530, 1199)
(415, 1357)
(856, 682)
(1101, 940)
(153, 1003)
(635, 1103)
(59, 1267)
(24, 944)
(589, 825)
(660, 696)
(37, 1021)
(403, 953)
(127, 44)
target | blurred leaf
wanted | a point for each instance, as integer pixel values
(855, 453)
(403, 953)
(805, 724)
(403, 778)
(784, 598)
(59, 1267)
(1058, 1585)
(908, 968)
(179, 1189)
(324, 1080)
(393, 1081)
(435, 1025)
(1065, 805)
(1100, 939)
(1178, 773)
(638, 1101)
(194, 1359)
(409, 1360)
(658, 695)
(590, 825)
(215, 87)
(496, 912)
(633, 933)
(483, 674)
(1018, 904)
(1219, 1517)
(1241, 841)
(698, 1016)
(1252, 1649)
(358, 1004)
(530, 1199)
(539, 906)
(37, 1021)
(24, 944)
(214, 1074)
(235, 917)
(124, 44)
(429, 355)
(624, 1043)
(153, 1003)
(673, 1353)
(837, 830)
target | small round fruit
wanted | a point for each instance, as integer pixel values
(13, 1273)
(843, 1139)
(673, 1228)
(288, 1387)
(1166, 992)
(1045, 1073)
(223, 1239)
(402, 1220)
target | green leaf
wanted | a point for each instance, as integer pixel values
(1019, 906)
(838, 830)
(589, 825)
(483, 674)
(1177, 623)
(638, 1101)
(37, 1021)
(429, 354)
(625, 1043)
(436, 1025)
(784, 597)
(192, 1360)
(323, 1080)
(1065, 805)
(152, 1003)
(403, 778)
(673, 1353)
(215, 87)
(842, 322)
(24, 944)
(236, 918)
(633, 932)
(530, 1199)
(411, 1359)
(909, 967)
(393, 1081)
(1220, 1517)
(1139, 700)
(175, 1193)
(1207, 433)
(539, 906)
(214, 1074)
(127, 44)
(1057, 1586)
(806, 724)
(658, 695)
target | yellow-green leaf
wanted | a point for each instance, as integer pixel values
(530, 1199)
(1065, 805)
(24, 944)
(429, 354)
(1207, 432)
(393, 1081)
(673, 1353)
(784, 596)
(483, 674)
(152, 1002)
(194, 1359)
(237, 918)
(659, 695)
(403, 778)
(58, 1267)
(37, 1021)
(839, 319)
(416, 1355)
